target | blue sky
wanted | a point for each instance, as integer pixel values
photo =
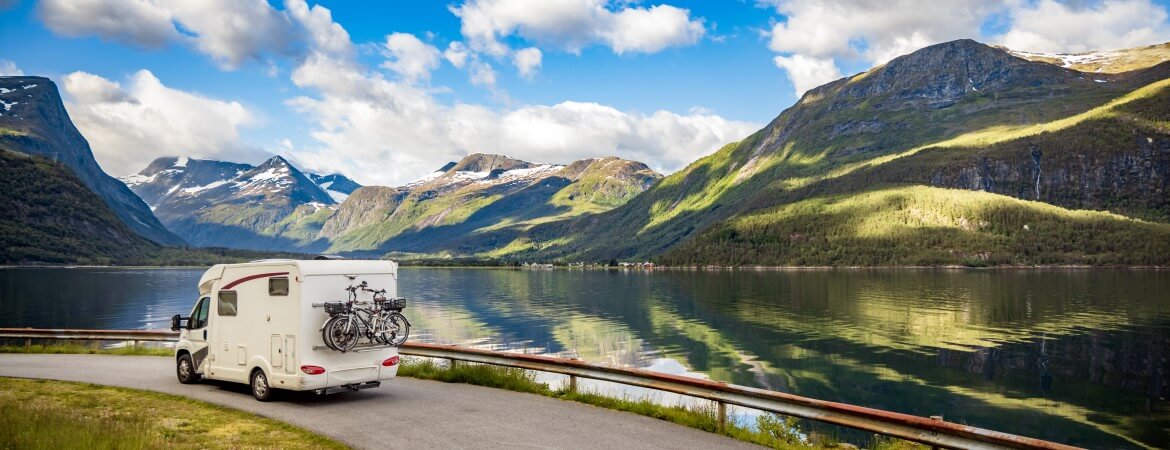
(664, 83)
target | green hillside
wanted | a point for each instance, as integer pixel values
(958, 115)
(918, 225)
(50, 216)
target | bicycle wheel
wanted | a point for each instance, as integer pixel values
(401, 332)
(340, 334)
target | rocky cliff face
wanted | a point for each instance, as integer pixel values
(1131, 175)
(34, 121)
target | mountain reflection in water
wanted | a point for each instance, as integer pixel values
(1075, 356)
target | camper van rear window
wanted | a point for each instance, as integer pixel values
(278, 286)
(227, 303)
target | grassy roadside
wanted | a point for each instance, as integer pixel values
(771, 430)
(41, 414)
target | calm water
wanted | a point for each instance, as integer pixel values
(1075, 356)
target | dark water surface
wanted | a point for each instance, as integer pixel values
(1076, 356)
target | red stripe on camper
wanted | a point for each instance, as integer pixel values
(252, 277)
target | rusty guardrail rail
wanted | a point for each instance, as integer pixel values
(904, 426)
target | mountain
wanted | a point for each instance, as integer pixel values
(277, 207)
(446, 211)
(959, 153)
(51, 216)
(223, 204)
(33, 121)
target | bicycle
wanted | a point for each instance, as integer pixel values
(349, 321)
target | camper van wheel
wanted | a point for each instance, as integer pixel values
(186, 370)
(260, 388)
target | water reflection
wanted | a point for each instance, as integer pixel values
(1073, 356)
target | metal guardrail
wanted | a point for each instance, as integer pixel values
(904, 426)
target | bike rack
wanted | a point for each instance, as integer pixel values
(357, 348)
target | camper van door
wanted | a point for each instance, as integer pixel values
(197, 333)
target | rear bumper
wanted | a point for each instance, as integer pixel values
(347, 388)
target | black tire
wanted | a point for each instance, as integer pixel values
(260, 388)
(335, 336)
(398, 337)
(185, 369)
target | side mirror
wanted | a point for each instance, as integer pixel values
(177, 322)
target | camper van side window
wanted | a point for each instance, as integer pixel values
(278, 286)
(227, 303)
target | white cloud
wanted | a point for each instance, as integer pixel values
(527, 61)
(1049, 26)
(234, 31)
(807, 72)
(364, 120)
(231, 32)
(143, 23)
(482, 74)
(573, 24)
(9, 69)
(456, 54)
(650, 30)
(410, 57)
(128, 127)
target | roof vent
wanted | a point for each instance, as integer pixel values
(327, 257)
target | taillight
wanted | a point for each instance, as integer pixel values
(390, 362)
(313, 370)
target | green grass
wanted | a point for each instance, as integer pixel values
(42, 414)
(93, 349)
(770, 431)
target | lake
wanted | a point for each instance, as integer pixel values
(1075, 356)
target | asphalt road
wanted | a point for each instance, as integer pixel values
(403, 412)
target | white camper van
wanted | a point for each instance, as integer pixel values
(260, 323)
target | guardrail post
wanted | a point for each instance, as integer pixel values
(27, 344)
(939, 418)
(453, 361)
(573, 384)
(722, 417)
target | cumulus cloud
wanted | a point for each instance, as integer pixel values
(9, 69)
(807, 72)
(234, 31)
(456, 54)
(143, 23)
(1049, 26)
(387, 131)
(482, 74)
(643, 30)
(128, 126)
(527, 61)
(573, 24)
(231, 32)
(410, 57)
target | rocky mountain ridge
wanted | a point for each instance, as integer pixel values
(34, 121)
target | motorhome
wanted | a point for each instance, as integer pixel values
(260, 323)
